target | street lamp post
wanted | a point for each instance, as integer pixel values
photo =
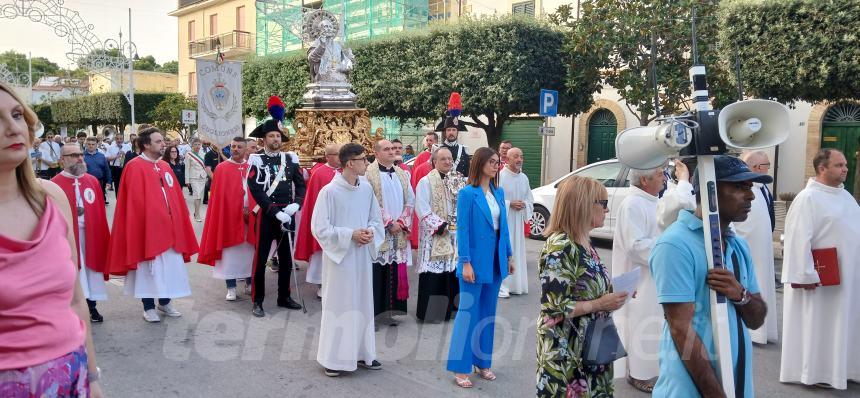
(125, 63)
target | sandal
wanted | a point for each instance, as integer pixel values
(642, 385)
(463, 382)
(485, 374)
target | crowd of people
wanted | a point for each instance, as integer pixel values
(456, 217)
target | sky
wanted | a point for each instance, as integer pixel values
(154, 32)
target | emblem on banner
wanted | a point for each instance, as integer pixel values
(89, 195)
(168, 179)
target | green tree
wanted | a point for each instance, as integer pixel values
(169, 67)
(498, 64)
(167, 115)
(146, 63)
(18, 63)
(792, 50)
(620, 35)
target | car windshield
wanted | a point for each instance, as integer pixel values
(604, 173)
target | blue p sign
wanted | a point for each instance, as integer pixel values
(548, 103)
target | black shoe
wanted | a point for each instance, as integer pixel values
(257, 311)
(331, 372)
(375, 365)
(95, 317)
(289, 303)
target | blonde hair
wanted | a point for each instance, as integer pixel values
(573, 209)
(24, 173)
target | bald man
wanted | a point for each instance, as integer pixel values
(758, 232)
(520, 203)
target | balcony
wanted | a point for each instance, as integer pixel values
(233, 44)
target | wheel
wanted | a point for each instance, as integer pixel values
(539, 221)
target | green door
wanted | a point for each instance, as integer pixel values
(523, 134)
(602, 129)
(841, 130)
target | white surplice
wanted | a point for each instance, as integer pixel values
(347, 328)
(821, 326)
(427, 224)
(640, 320)
(516, 187)
(394, 203)
(677, 197)
(756, 231)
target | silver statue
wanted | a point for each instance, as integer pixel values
(454, 182)
(330, 62)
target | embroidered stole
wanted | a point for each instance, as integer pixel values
(441, 246)
(373, 176)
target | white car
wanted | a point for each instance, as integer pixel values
(611, 173)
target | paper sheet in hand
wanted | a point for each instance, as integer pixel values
(627, 282)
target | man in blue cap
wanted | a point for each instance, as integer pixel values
(688, 366)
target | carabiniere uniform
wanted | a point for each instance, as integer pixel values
(275, 181)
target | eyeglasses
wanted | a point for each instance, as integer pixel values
(361, 159)
(74, 155)
(603, 203)
(493, 162)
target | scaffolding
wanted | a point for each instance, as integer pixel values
(279, 22)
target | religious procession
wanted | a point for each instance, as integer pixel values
(459, 260)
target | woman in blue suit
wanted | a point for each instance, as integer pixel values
(484, 261)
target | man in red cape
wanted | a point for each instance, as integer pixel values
(152, 233)
(307, 247)
(228, 236)
(88, 214)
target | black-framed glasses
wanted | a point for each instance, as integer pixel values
(603, 203)
(363, 159)
(74, 155)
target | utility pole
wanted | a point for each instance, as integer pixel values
(131, 73)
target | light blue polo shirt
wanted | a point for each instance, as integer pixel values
(679, 267)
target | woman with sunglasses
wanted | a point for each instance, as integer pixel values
(575, 290)
(484, 250)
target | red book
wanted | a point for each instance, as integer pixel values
(827, 265)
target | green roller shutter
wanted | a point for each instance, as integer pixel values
(523, 134)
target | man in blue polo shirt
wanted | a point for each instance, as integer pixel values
(97, 164)
(680, 270)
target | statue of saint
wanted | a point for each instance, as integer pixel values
(329, 60)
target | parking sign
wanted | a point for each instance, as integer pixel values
(548, 103)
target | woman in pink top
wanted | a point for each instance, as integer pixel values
(46, 349)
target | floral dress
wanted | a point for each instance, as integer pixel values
(569, 274)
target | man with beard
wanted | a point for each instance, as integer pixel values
(271, 177)
(152, 233)
(451, 128)
(683, 281)
(228, 241)
(91, 235)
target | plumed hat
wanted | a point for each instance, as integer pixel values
(277, 109)
(455, 108)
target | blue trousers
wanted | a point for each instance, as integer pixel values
(474, 326)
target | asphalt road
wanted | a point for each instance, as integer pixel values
(218, 349)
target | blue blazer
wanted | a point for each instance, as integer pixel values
(476, 238)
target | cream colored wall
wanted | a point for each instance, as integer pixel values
(143, 81)
(226, 11)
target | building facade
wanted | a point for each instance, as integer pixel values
(209, 26)
(117, 80)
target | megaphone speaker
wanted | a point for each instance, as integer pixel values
(754, 124)
(649, 147)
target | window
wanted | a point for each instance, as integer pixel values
(240, 18)
(604, 173)
(191, 30)
(192, 83)
(525, 7)
(213, 24)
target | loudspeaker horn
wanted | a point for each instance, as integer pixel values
(650, 147)
(754, 124)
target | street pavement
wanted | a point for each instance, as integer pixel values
(218, 349)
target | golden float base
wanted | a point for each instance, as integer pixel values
(316, 128)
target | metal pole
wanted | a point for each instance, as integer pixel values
(131, 73)
(738, 76)
(654, 73)
(30, 69)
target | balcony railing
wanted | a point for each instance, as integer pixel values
(232, 43)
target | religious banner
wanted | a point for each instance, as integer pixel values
(219, 101)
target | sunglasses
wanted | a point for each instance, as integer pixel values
(603, 203)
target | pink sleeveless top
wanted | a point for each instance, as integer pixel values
(37, 281)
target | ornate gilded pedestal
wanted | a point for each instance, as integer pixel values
(316, 128)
